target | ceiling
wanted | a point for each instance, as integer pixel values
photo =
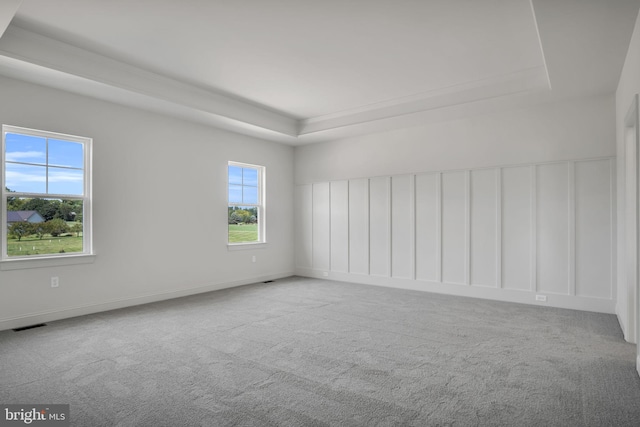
(302, 71)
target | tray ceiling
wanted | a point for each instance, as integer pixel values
(300, 71)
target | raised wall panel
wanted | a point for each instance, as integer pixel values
(516, 228)
(359, 226)
(402, 226)
(340, 226)
(379, 227)
(539, 228)
(593, 228)
(484, 230)
(321, 226)
(454, 227)
(552, 213)
(303, 200)
(427, 195)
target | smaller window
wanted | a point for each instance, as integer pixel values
(245, 214)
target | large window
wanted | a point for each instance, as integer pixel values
(246, 203)
(46, 194)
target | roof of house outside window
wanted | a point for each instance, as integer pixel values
(18, 216)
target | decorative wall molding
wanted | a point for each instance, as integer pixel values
(507, 233)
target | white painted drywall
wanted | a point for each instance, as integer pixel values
(628, 87)
(160, 226)
(8, 9)
(499, 206)
(575, 129)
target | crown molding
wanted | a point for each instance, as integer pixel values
(529, 80)
(26, 55)
(35, 54)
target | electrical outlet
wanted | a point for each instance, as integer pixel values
(325, 274)
(253, 258)
(542, 298)
(55, 282)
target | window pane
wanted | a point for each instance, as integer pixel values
(43, 226)
(66, 181)
(66, 153)
(243, 224)
(25, 149)
(250, 195)
(250, 177)
(235, 194)
(235, 175)
(26, 178)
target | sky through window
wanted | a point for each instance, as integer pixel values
(43, 165)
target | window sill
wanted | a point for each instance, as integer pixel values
(42, 262)
(246, 246)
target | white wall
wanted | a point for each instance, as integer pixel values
(502, 206)
(628, 87)
(578, 129)
(159, 208)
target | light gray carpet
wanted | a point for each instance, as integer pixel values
(300, 352)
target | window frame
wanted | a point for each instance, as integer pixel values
(261, 206)
(44, 260)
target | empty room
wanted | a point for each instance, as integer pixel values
(431, 212)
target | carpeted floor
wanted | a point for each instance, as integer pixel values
(301, 352)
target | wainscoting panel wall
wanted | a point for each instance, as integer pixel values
(402, 233)
(552, 215)
(359, 226)
(380, 226)
(455, 268)
(538, 233)
(428, 227)
(517, 228)
(340, 226)
(321, 222)
(594, 241)
(484, 228)
(303, 227)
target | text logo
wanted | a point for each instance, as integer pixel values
(34, 415)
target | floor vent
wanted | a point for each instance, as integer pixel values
(24, 328)
(268, 281)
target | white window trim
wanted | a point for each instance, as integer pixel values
(47, 260)
(262, 237)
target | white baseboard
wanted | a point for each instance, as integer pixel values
(485, 292)
(67, 312)
(638, 364)
(621, 322)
